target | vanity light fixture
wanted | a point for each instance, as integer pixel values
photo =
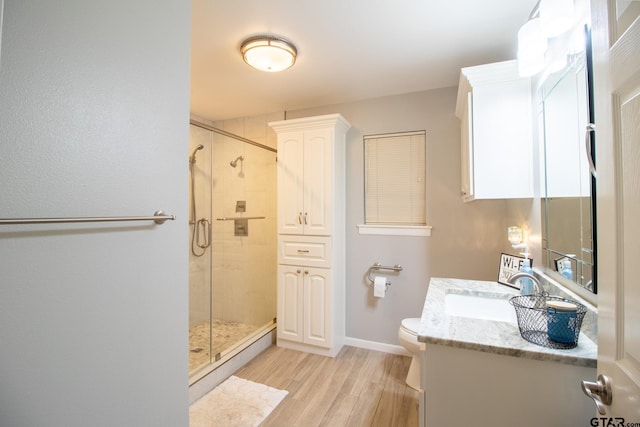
(268, 53)
(548, 20)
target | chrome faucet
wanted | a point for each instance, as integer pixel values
(535, 280)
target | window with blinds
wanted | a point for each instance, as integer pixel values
(395, 191)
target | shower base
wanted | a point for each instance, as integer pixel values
(223, 335)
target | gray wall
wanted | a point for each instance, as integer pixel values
(94, 115)
(466, 240)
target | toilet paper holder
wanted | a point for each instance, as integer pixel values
(378, 266)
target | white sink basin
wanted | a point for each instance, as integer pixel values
(480, 306)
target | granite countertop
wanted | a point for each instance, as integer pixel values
(436, 327)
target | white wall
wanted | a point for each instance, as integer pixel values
(467, 238)
(94, 121)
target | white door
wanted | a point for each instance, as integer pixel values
(94, 109)
(616, 47)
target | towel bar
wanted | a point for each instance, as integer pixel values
(158, 217)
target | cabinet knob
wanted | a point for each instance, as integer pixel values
(299, 217)
(306, 217)
(298, 271)
(306, 272)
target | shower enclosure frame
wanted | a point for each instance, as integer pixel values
(202, 227)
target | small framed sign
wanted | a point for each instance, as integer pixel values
(559, 263)
(510, 265)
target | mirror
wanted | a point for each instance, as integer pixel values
(568, 200)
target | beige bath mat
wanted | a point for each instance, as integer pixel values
(235, 403)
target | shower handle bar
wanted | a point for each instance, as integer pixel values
(205, 225)
(159, 217)
(239, 217)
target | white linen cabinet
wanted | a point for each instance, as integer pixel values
(495, 112)
(311, 242)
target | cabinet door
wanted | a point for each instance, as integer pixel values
(290, 303)
(290, 183)
(502, 153)
(317, 315)
(317, 195)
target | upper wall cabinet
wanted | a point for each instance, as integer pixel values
(306, 173)
(494, 108)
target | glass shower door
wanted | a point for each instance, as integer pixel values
(200, 144)
(232, 275)
(244, 242)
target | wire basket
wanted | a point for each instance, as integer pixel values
(537, 322)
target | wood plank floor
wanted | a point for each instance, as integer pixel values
(356, 388)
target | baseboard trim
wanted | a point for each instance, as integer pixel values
(377, 346)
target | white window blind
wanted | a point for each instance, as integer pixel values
(395, 191)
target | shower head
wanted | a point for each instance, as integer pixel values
(192, 157)
(234, 163)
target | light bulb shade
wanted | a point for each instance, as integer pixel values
(514, 234)
(556, 16)
(532, 45)
(531, 40)
(268, 53)
(556, 56)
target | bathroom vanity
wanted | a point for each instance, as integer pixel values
(477, 369)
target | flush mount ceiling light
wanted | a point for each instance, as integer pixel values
(268, 53)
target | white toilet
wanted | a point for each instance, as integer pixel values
(408, 335)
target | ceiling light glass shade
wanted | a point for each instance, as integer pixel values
(268, 53)
(556, 16)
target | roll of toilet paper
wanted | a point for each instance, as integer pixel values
(379, 286)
